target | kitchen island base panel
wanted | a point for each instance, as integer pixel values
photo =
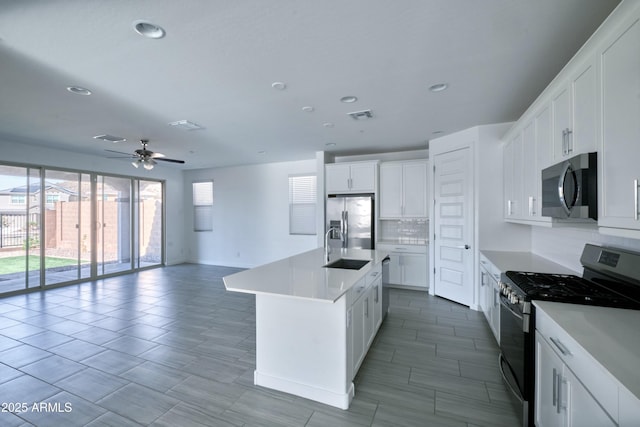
(301, 348)
(337, 400)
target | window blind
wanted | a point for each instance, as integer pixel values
(203, 206)
(302, 204)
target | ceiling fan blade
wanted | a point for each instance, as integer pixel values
(156, 155)
(119, 152)
(163, 159)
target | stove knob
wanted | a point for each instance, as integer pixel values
(514, 299)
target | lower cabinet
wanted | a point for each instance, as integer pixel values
(561, 399)
(409, 265)
(489, 294)
(364, 318)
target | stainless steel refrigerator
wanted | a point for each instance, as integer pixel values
(351, 217)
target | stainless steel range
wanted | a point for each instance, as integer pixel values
(611, 278)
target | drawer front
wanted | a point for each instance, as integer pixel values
(414, 249)
(356, 291)
(373, 274)
(591, 374)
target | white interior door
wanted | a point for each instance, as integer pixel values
(453, 226)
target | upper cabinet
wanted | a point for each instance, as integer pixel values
(619, 172)
(574, 113)
(593, 105)
(358, 177)
(403, 189)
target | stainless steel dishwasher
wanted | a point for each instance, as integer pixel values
(385, 286)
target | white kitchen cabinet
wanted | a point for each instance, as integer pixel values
(571, 388)
(414, 269)
(619, 174)
(357, 177)
(561, 399)
(544, 141)
(358, 330)
(377, 304)
(530, 177)
(513, 192)
(408, 265)
(574, 113)
(489, 294)
(365, 317)
(403, 189)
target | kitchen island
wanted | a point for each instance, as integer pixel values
(314, 324)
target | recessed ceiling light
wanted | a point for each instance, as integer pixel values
(328, 125)
(308, 109)
(79, 90)
(438, 87)
(149, 30)
(437, 132)
(278, 85)
(348, 99)
(330, 144)
(110, 138)
(262, 152)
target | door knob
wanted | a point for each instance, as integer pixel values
(463, 247)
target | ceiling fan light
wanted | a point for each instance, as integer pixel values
(135, 163)
(148, 165)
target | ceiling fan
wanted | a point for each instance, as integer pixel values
(146, 157)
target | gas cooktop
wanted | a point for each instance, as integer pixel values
(572, 289)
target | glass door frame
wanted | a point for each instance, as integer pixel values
(134, 229)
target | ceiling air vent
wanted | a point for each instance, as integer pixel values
(361, 115)
(185, 125)
(110, 138)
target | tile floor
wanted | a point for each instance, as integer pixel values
(170, 347)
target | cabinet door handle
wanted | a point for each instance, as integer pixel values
(555, 390)
(635, 199)
(564, 350)
(531, 200)
(564, 142)
(366, 307)
(377, 297)
(509, 208)
(559, 381)
(569, 141)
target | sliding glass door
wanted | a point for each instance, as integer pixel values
(19, 228)
(67, 200)
(113, 224)
(60, 226)
(150, 223)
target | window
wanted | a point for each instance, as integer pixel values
(203, 206)
(302, 204)
(52, 198)
(19, 199)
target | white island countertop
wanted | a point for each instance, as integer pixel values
(303, 275)
(610, 335)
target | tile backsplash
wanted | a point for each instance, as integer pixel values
(404, 230)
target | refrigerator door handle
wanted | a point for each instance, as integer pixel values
(345, 235)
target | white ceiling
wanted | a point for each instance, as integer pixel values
(216, 64)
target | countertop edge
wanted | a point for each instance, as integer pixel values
(557, 311)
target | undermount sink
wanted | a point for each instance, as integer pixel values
(349, 264)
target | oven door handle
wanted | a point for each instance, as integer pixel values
(519, 316)
(501, 362)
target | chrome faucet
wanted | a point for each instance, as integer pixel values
(327, 248)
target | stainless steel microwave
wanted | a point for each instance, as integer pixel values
(570, 188)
